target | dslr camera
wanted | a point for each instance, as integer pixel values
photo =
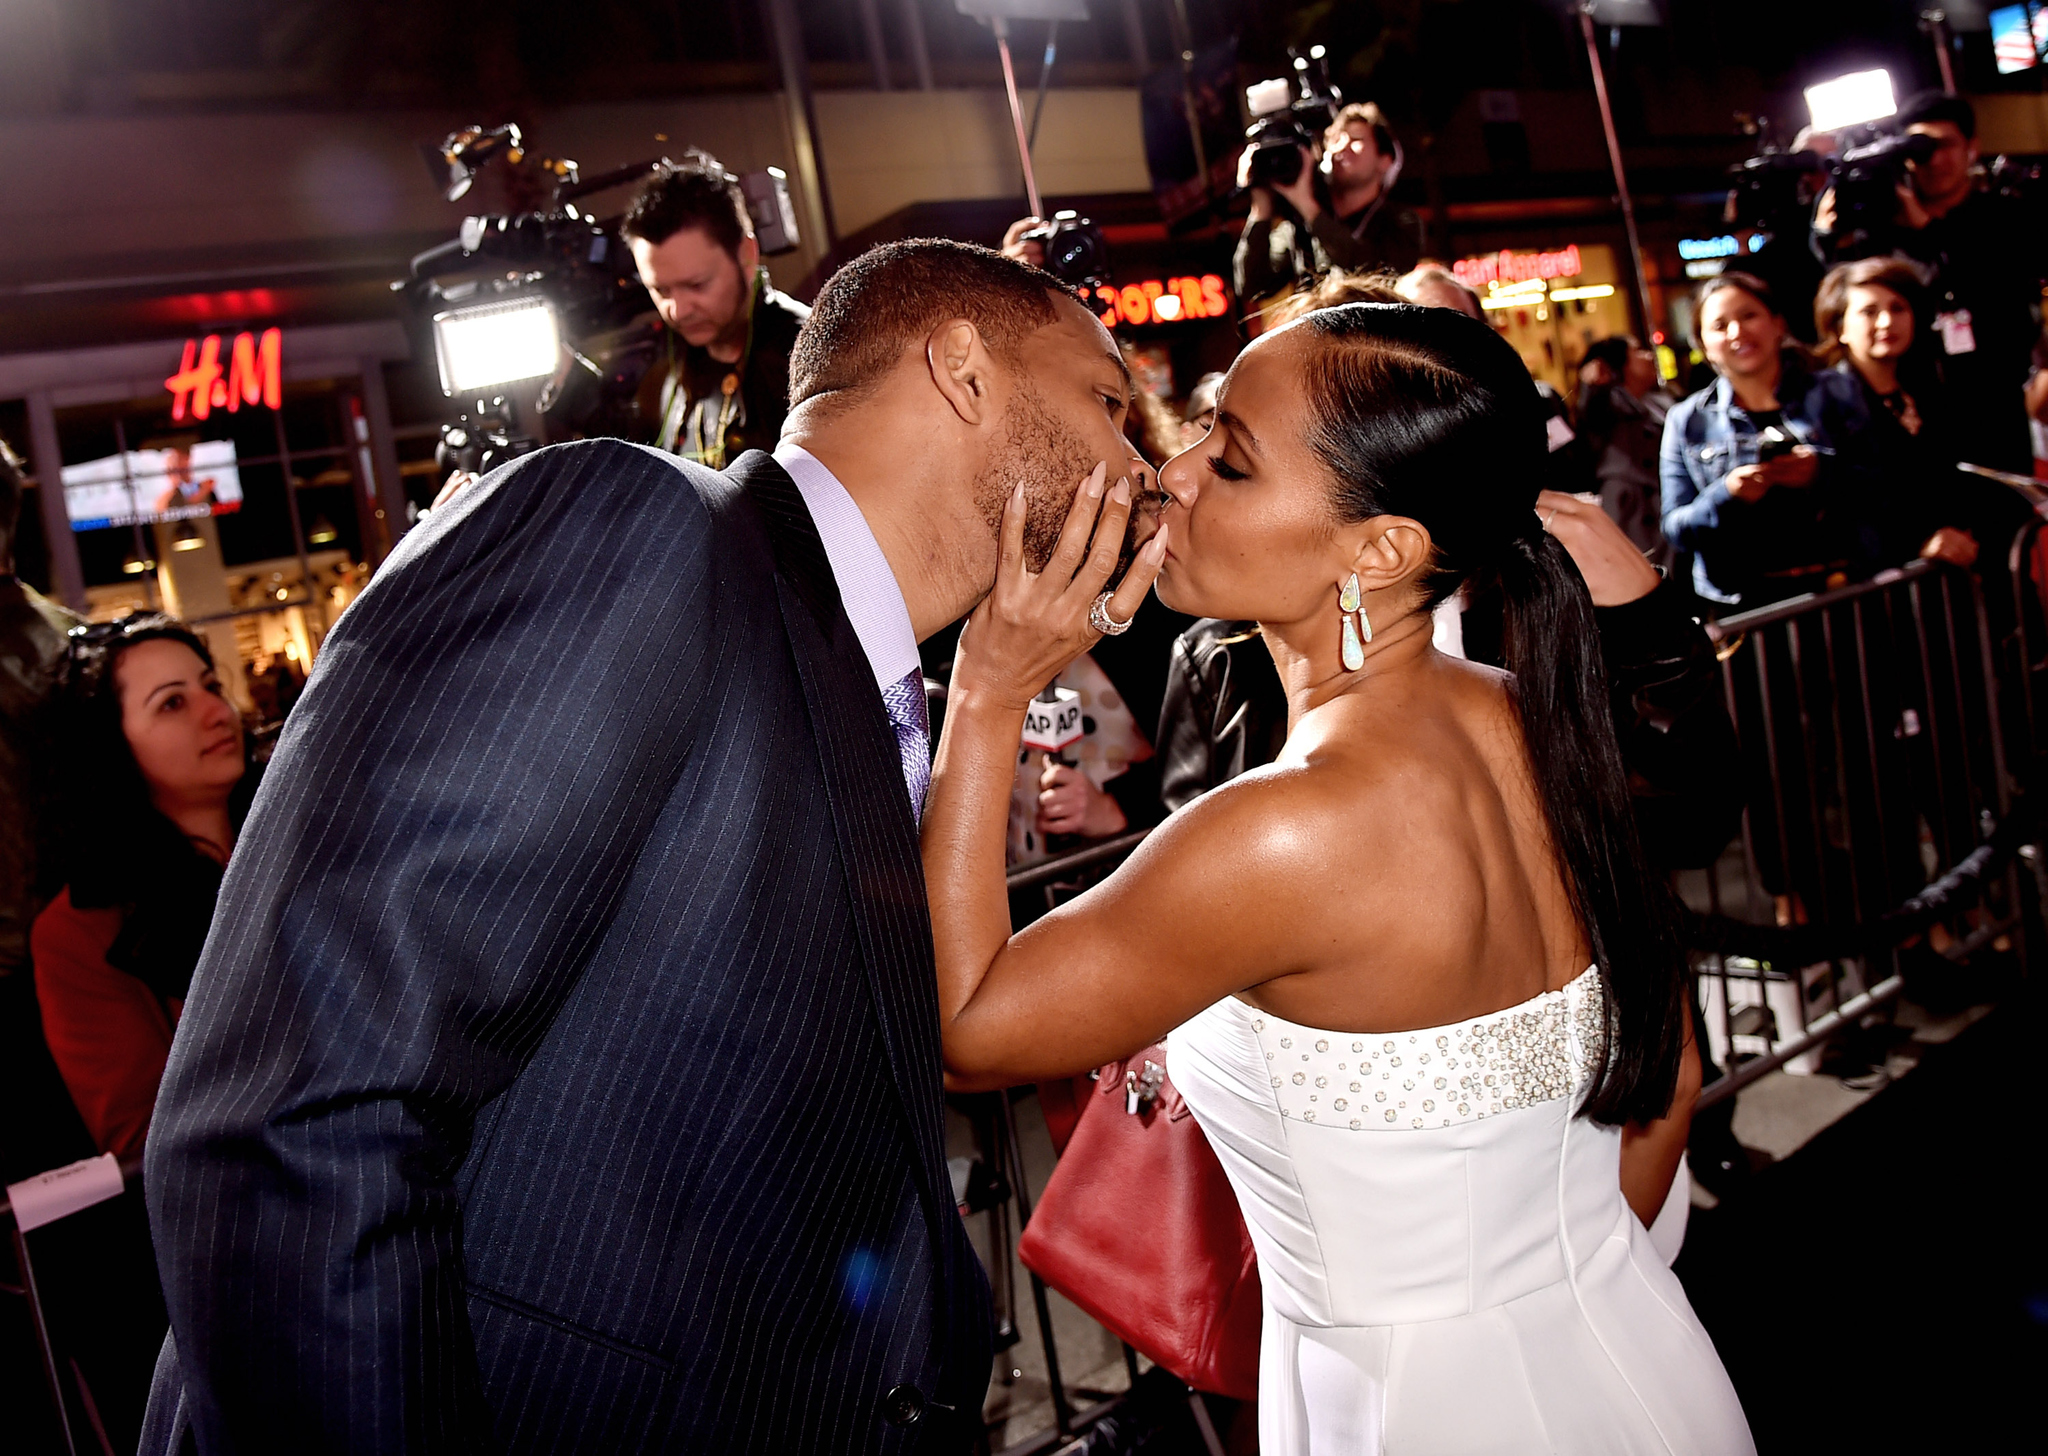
(1076, 252)
(1866, 176)
(1289, 114)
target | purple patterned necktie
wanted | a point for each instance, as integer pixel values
(910, 716)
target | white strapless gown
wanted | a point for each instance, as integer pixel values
(1448, 1262)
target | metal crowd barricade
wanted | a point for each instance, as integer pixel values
(1873, 745)
(76, 1411)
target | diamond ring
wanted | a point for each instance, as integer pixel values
(1100, 619)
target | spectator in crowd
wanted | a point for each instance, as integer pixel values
(1201, 408)
(41, 1131)
(1434, 286)
(1867, 315)
(1621, 412)
(155, 788)
(1984, 256)
(726, 388)
(1337, 214)
(1752, 485)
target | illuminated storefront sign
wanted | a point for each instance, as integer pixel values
(1721, 247)
(1507, 267)
(253, 375)
(1164, 301)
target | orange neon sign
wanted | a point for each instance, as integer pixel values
(253, 375)
(1163, 301)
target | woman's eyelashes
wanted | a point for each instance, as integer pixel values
(1223, 470)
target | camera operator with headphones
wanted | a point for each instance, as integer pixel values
(1335, 214)
(1983, 257)
(726, 388)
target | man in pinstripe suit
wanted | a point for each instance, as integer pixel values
(562, 1074)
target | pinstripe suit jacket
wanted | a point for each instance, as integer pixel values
(562, 1073)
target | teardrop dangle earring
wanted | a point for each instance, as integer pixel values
(1348, 601)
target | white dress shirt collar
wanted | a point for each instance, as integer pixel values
(867, 587)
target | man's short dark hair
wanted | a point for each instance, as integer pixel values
(1923, 106)
(695, 192)
(871, 309)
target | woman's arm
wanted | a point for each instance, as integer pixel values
(1174, 929)
(1650, 1151)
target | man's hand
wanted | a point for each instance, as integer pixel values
(1958, 548)
(1913, 212)
(1301, 192)
(1614, 569)
(1824, 213)
(1069, 803)
(458, 481)
(1023, 249)
(1262, 199)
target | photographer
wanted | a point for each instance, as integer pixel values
(1983, 257)
(727, 387)
(1335, 214)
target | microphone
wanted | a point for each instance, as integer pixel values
(1052, 721)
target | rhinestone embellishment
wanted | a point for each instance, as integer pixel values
(1541, 1051)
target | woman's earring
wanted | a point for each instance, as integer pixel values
(1348, 602)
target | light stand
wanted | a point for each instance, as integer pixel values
(999, 14)
(1935, 23)
(1002, 30)
(1628, 208)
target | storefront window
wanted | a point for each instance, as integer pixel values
(245, 524)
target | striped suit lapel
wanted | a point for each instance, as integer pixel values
(871, 818)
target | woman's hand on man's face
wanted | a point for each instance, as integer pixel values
(1032, 624)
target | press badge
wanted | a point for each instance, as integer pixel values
(1558, 432)
(1957, 337)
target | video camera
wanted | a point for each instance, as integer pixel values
(1289, 114)
(1867, 176)
(551, 295)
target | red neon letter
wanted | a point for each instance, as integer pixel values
(1215, 301)
(196, 377)
(253, 374)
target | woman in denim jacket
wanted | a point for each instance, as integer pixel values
(1762, 527)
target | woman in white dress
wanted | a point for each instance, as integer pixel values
(1424, 999)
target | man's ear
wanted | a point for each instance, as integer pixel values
(1392, 550)
(961, 369)
(748, 257)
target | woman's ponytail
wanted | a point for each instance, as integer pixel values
(1551, 644)
(1425, 413)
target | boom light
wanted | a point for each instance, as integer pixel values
(1848, 100)
(496, 343)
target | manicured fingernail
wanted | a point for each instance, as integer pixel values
(1122, 494)
(1095, 478)
(1155, 549)
(1017, 495)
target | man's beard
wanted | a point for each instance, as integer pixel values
(1050, 460)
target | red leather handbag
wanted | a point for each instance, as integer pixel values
(1139, 1227)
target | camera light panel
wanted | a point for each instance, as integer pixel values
(496, 344)
(1857, 97)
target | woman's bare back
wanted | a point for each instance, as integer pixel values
(1457, 905)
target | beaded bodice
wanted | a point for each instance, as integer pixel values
(1540, 1051)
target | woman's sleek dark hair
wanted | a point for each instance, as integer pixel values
(120, 850)
(1425, 413)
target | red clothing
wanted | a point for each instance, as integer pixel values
(106, 1029)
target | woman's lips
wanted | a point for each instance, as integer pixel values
(219, 746)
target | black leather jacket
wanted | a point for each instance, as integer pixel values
(1225, 713)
